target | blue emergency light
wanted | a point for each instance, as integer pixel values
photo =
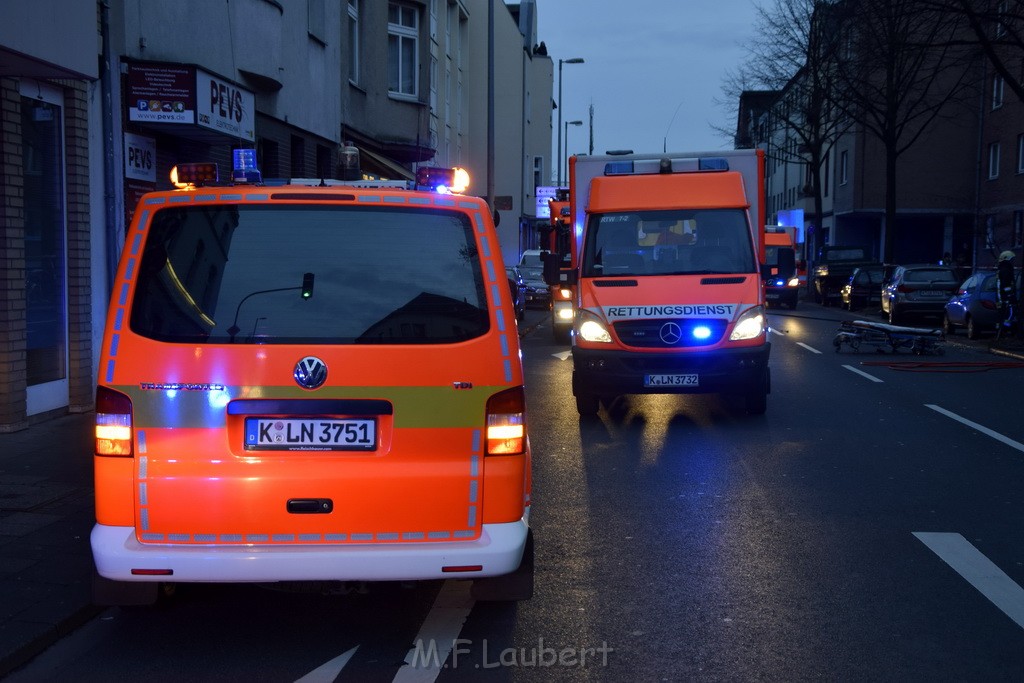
(245, 170)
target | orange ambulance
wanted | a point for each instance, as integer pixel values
(669, 296)
(305, 383)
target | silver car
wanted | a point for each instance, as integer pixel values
(918, 290)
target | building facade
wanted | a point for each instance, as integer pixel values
(96, 119)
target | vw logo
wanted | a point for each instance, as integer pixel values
(310, 372)
(671, 333)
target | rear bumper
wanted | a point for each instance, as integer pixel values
(781, 294)
(921, 307)
(498, 550)
(622, 372)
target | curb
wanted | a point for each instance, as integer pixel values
(47, 635)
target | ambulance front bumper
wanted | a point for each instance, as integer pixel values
(615, 372)
(498, 551)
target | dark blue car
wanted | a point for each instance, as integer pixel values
(974, 306)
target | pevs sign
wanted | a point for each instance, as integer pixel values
(165, 93)
(225, 107)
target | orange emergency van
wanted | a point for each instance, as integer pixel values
(304, 383)
(669, 296)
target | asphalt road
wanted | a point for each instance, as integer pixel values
(869, 527)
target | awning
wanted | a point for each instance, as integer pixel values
(382, 166)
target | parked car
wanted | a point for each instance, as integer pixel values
(532, 269)
(864, 288)
(974, 306)
(918, 290)
(518, 287)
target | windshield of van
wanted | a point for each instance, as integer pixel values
(267, 274)
(668, 242)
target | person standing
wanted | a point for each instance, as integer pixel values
(1005, 289)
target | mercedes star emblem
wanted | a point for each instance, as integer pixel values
(671, 333)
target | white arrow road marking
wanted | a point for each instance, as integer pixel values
(563, 355)
(862, 373)
(809, 348)
(438, 633)
(326, 673)
(974, 425)
(979, 571)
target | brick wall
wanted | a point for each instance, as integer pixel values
(80, 320)
(12, 262)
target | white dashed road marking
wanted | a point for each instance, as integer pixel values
(978, 570)
(974, 425)
(862, 373)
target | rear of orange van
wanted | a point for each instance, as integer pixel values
(305, 384)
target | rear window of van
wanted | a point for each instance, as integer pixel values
(264, 274)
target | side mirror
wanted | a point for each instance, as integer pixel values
(787, 262)
(552, 266)
(554, 274)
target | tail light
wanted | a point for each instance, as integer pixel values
(506, 422)
(113, 423)
(905, 289)
(990, 305)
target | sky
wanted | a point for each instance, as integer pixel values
(653, 70)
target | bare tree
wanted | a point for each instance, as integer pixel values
(997, 29)
(795, 52)
(900, 68)
(793, 55)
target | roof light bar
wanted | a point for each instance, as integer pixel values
(194, 174)
(443, 180)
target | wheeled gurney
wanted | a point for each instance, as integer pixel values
(882, 336)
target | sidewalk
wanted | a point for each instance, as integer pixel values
(46, 514)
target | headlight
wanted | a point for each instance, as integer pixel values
(793, 282)
(821, 270)
(750, 325)
(591, 329)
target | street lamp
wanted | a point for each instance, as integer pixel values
(567, 124)
(574, 60)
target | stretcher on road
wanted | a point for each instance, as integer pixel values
(882, 337)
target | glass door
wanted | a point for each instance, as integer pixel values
(46, 358)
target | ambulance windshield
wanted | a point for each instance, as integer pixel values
(668, 242)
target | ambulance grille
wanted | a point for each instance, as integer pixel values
(669, 333)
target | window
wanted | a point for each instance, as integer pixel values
(1018, 229)
(1020, 153)
(843, 164)
(403, 50)
(433, 84)
(993, 160)
(323, 162)
(1001, 19)
(298, 157)
(353, 40)
(316, 20)
(997, 91)
(538, 172)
